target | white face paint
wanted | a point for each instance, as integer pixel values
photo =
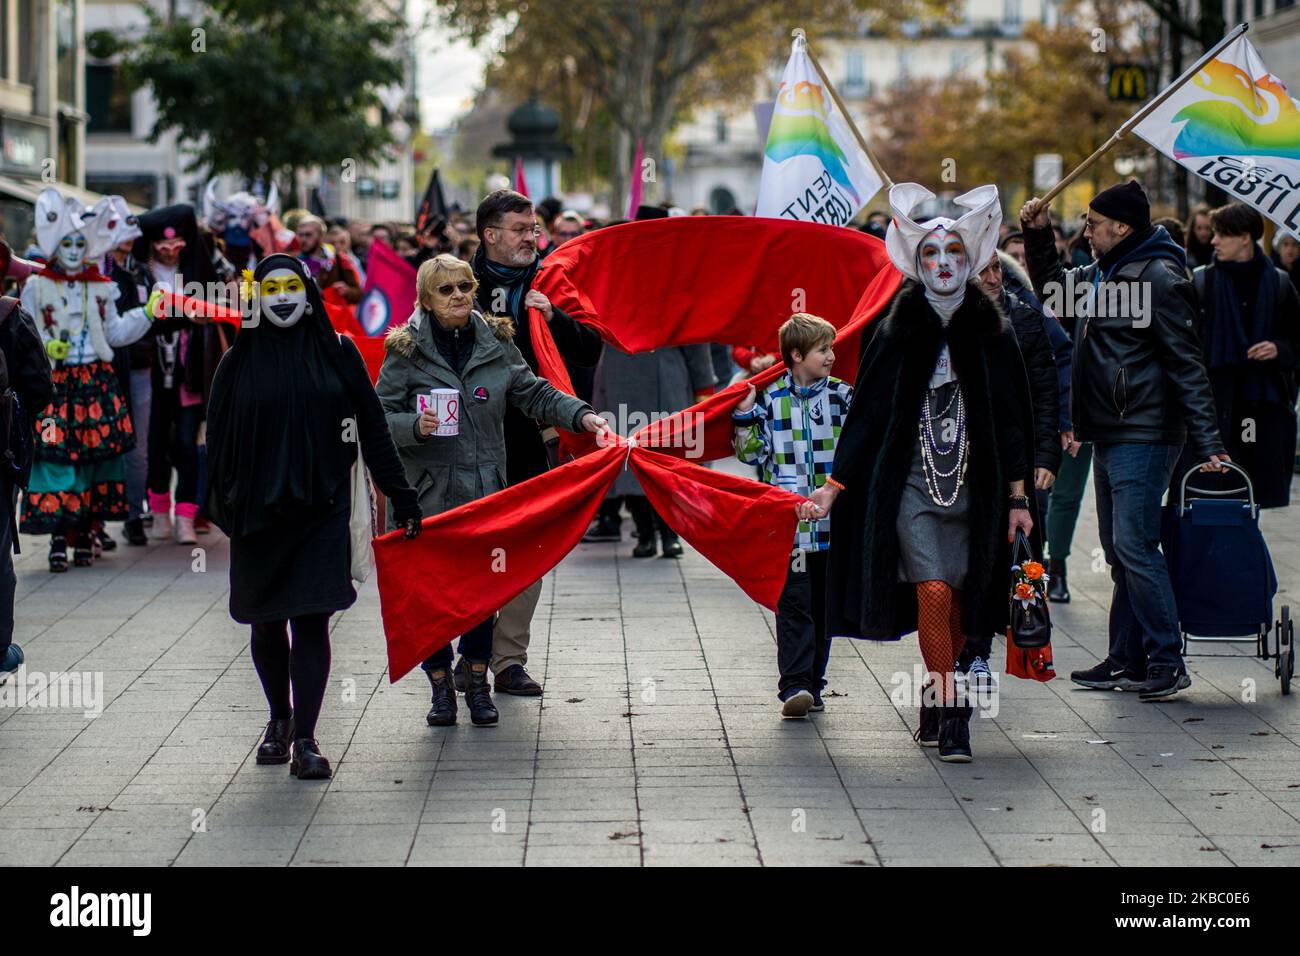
(941, 260)
(283, 297)
(71, 253)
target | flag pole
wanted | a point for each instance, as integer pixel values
(799, 34)
(1141, 114)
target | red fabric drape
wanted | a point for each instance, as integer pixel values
(644, 285)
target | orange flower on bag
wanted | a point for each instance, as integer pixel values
(1032, 570)
(1024, 591)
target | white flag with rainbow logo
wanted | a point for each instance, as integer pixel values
(813, 167)
(1235, 125)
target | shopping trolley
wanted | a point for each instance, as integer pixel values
(1223, 575)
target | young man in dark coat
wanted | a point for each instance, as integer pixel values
(504, 265)
(1250, 337)
(1139, 392)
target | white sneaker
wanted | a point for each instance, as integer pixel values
(185, 531)
(161, 529)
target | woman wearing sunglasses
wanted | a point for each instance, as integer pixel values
(447, 344)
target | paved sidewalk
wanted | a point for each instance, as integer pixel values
(658, 741)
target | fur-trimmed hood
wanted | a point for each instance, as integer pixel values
(401, 339)
(910, 312)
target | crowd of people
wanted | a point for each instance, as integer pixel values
(979, 410)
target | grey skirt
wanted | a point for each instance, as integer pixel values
(933, 541)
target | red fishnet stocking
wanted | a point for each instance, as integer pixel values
(939, 630)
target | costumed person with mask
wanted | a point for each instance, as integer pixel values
(177, 257)
(134, 362)
(935, 460)
(289, 402)
(78, 478)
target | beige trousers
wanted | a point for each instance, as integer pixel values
(513, 629)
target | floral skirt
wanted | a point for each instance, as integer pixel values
(78, 476)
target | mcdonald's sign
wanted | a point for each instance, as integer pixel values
(1127, 82)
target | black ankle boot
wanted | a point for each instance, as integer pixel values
(478, 696)
(133, 531)
(646, 546)
(1057, 590)
(954, 734)
(443, 711)
(58, 553)
(927, 731)
(307, 762)
(275, 743)
(672, 547)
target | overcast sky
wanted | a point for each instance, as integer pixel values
(448, 71)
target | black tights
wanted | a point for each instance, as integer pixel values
(306, 667)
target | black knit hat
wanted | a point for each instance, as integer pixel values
(1124, 202)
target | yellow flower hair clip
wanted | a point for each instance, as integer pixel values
(247, 285)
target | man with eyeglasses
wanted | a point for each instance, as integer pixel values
(568, 225)
(1139, 392)
(504, 264)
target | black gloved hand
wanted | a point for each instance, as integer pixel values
(408, 517)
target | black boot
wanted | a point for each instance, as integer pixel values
(478, 696)
(307, 762)
(133, 531)
(927, 731)
(668, 537)
(58, 553)
(954, 734)
(275, 743)
(644, 517)
(443, 711)
(1057, 591)
(105, 540)
(458, 678)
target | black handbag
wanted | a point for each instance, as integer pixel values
(1030, 625)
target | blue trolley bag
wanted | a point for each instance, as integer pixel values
(1219, 565)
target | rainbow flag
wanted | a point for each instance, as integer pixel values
(1235, 125)
(813, 168)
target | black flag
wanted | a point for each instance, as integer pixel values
(432, 212)
(316, 204)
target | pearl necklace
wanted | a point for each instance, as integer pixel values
(930, 450)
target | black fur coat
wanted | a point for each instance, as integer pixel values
(875, 453)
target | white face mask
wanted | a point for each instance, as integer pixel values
(72, 252)
(942, 262)
(282, 295)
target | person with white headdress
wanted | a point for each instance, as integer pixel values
(930, 475)
(132, 362)
(78, 477)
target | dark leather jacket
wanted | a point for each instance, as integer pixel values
(1137, 376)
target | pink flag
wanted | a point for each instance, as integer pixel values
(521, 184)
(634, 187)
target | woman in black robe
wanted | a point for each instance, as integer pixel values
(932, 465)
(289, 403)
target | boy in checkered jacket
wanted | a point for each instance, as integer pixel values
(789, 431)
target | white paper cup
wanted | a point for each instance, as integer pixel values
(447, 406)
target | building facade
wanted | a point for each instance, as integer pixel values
(42, 107)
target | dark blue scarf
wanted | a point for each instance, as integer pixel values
(1231, 333)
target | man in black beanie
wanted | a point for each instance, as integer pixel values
(1139, 391)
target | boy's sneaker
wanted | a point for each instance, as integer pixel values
(10, 660)
(1108, 676)
(980, 677)
(797, 704)
(818, 704)
(1164, 681)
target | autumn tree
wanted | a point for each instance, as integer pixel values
(645, 62)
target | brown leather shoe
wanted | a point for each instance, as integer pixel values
(515, 680)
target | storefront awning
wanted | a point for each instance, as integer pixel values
(26, 190)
